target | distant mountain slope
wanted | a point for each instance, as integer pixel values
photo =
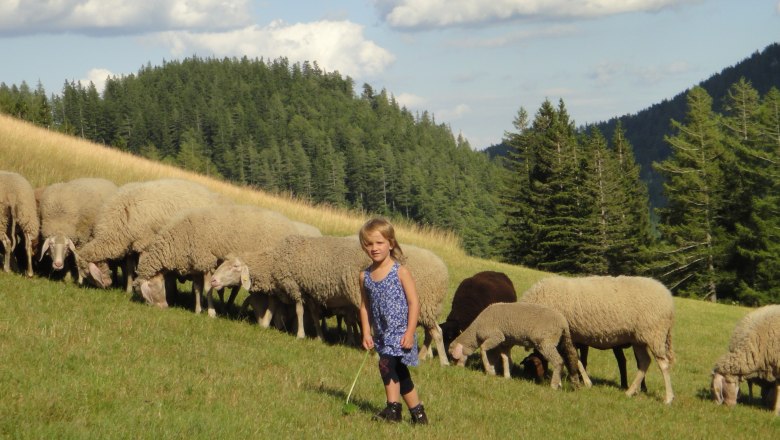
(647, 128)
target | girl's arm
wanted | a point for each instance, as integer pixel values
(365, 325)
(410, 289)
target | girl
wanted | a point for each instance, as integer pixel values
(390, 306)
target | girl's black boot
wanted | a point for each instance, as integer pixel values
(418, 415)
(391, 413)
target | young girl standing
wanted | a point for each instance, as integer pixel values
(389, 305)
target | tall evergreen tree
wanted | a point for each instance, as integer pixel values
(692, 263)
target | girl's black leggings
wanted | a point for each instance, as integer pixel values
(392, 369)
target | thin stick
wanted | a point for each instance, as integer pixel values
(365, 357)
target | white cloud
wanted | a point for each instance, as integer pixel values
(777, 8)
(443, 13)
(410, 100)
(514, 37)
(120, 16)
(453, 113)
(98, 77)
(607, 73)
(334, 45)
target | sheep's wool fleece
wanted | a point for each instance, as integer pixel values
(197, 239)
(17, 197)
(604, 311)
(69, 209)
(754, 348)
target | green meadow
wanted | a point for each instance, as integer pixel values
(78, 362)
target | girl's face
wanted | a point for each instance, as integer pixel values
(377, 246)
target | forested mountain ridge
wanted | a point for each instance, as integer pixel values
(284, 128)
(646, 129)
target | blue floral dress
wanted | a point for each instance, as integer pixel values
(389, 315)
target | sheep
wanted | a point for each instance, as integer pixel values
(501, 326)
(129, 220)
(17, 208)
(753, 354)
(471, 297)
(324, 271)
(606, 312)
(68, 212)
(197, 240)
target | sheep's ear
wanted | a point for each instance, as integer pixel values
(71, 246)
(45, 248)
(96, 275)
(717, 387)
(246, 283)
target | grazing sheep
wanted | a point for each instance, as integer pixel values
(197, 240)
(471, 297)
(130, 219)
(753, 354)
(17, 209)
(502, 326)
(606, 312)
(68, 212)
(324, 271)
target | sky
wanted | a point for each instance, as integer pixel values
(472, 64)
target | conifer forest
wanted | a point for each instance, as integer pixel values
(564, 199)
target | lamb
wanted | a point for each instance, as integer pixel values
(502, 326)
(471, 297)
(17, 208)
(753, 353)
(606, 312)
(68, 212)
(130, 219)
(197, 240)
(324, 271)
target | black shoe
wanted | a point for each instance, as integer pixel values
(391, 413)
(418, 415)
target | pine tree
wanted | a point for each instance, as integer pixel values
(690, 224)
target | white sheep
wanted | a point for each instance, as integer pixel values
(501, 326)
(606, 312)
(17, 209)
(68, 212)
(130, 219)
(197, 240)
(324, 271)
(753, 352)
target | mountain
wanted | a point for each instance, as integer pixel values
(647, 128)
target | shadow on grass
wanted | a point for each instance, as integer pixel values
(340, 396)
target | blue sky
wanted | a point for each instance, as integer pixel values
(472, 63)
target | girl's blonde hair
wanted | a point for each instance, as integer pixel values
(384, 227)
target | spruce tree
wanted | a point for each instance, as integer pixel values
(692, 263)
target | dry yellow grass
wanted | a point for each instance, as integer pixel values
(45, 157)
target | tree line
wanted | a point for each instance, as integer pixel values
(564, 200)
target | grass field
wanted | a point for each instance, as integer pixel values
(86, 363)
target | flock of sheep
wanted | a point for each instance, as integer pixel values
(167, 231)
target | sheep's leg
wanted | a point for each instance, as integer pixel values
(777, 398)
(28, 248)
(584, 375)
(550, 352)
(129, 269)
(233, 294)
(487, 364)
(197, 290)
(8, 249)
(314, 309)
(621, 361)
(269, 312)
(299, 315)
(663, 364)
(583, 355)
(506, 360)
(643, 362)
(206, 280)
(433, 333)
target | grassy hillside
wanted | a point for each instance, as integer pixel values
(85, 363)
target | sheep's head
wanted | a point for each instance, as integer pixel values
(232, 272)
(99, 274)
(153, 290)
(458, 353)
(724, 388)
(58, 247)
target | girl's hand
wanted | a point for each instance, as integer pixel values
(368, 342)
(407, 340)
